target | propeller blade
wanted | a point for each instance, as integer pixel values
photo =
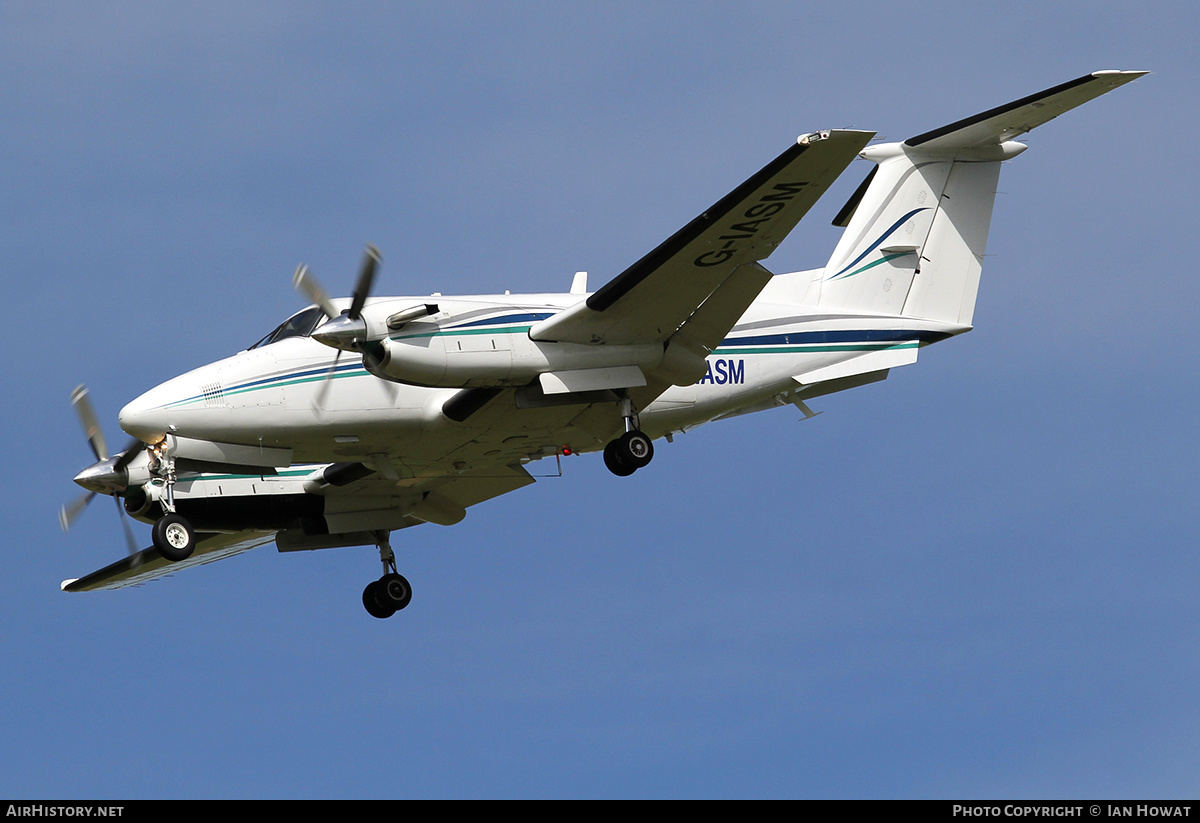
(307, 285)
(91, 424)
(323, 390)
(102, 474)
(131, 451)
(366, 277)
(130, 543)
(69, 513)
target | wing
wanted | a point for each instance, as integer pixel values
(149, 564)
(651, 299)
(442, 500)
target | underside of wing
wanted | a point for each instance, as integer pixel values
(148, 563)
(356, 512)
(651, 299)
(353, 504)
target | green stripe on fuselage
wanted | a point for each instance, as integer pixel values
(814, 348)
(459, 332)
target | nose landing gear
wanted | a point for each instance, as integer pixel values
(173, 536)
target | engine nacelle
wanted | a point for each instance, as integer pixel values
(145, 502)
(493, 360)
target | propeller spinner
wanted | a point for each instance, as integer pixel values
(345, 330)
(109, 475)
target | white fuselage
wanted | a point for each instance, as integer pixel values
(325, 406)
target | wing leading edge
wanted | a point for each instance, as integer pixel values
(651, 299)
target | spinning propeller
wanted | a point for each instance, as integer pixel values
(108, 475)
(344, 330)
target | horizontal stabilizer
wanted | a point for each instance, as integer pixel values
(901, 355)
(916, 229)
(1013, 119)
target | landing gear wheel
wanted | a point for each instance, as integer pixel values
(174, 537)
(387, 595)
(373, 602)
(393, 592)
(635, 448)
(628, 453)
(612, 459)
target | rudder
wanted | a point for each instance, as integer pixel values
(889, 232)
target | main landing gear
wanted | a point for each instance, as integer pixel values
(632, 450)
(390, 593)
(628, 453)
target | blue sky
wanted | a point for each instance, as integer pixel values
(974, 580)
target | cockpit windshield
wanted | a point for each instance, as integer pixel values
(300, 324)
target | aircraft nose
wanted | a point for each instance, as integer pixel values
(145, 417)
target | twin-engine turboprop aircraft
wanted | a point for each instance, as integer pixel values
(357, 417)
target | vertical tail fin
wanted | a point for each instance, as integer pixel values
(914, 245)
(916, 230)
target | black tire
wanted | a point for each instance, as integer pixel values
(635, 449)
(393, 592)
(174, 537)
(612, 459)
(372, 601)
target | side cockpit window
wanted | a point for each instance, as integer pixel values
(300, 324)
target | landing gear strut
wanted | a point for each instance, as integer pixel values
(633, 449)
(173, 536)
(390, 593)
